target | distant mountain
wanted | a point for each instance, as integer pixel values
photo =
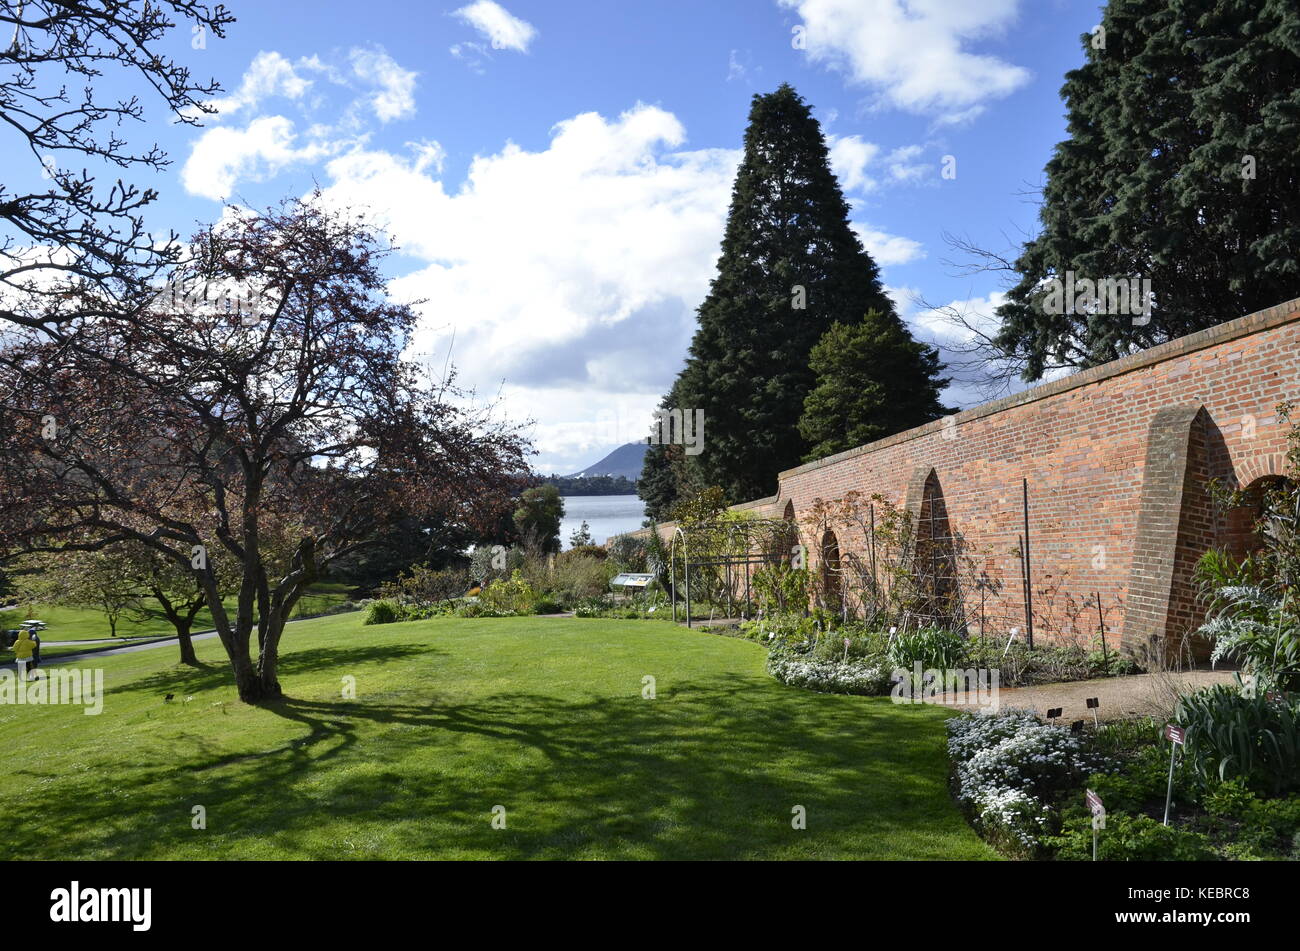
(624, 461)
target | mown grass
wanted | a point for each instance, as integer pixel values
(453, 717)
(68, 623)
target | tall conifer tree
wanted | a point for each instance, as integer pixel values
(791, 266)
(1180, 168)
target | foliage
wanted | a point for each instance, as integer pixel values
(934, 647)
(1008, 766)
(649, 606)
(422, 585)
(787, 227)
(399, 545)
(873, 379)
(382, 611)
(1240, 733)
(1128, 838)
(1252, 620)
(828, 676)
(628, 552)
(515, 596)
(103, 580)
(1178, 169)
(202, 432)
(665, 478)
(780, 589)
(580, 537)
(592, 485)
(537, 518)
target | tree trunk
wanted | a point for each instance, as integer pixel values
(268, 660)
(253, 686)
(187, 645)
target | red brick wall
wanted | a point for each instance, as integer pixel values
(1116, 458)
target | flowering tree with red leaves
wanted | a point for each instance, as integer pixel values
(279, 426)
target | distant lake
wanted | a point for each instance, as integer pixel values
(605, 515)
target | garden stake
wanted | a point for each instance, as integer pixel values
(1029, 579)
(1101, 622)
(1098, 818)
(1174, 734)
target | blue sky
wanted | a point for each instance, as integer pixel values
(557, 171)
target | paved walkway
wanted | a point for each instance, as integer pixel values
(52, 659)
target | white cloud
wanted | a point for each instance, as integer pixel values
(850, 156)
(887, 249)
(570, 273)
(269, 74)
(914, 53)
(394, 96)
(222, 157)
(372, 84)
(503, 30)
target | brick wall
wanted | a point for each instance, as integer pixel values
(1116, 459)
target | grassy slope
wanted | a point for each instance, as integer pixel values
(76, 624)
(544, 717)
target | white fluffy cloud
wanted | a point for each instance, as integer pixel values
(394, 95)
(372, 83)
(223, 157)
(269, 74)
(886, 248)
(502, 29)
(914, 53)
(568, 275)
(858, 163)
(571, 273)
(850, 156)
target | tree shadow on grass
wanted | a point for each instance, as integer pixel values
(711, 769)
(180, 678)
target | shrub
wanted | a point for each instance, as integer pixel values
(382, 612)
(865, 644)
(628, 553)
(515, 596)
(576, 575)
(547, 605)
(779, 589)
(421, 585)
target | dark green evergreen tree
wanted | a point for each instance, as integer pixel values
(790, 267)
(873, 380)
(538, 516)
(1180, 168)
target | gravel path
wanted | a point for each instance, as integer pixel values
(1118, 697)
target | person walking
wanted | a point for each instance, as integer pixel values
(36, 648)
(23, 649)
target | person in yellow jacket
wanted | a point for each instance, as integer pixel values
(23, 649)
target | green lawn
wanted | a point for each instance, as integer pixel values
(454, 717)
(83, 624)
